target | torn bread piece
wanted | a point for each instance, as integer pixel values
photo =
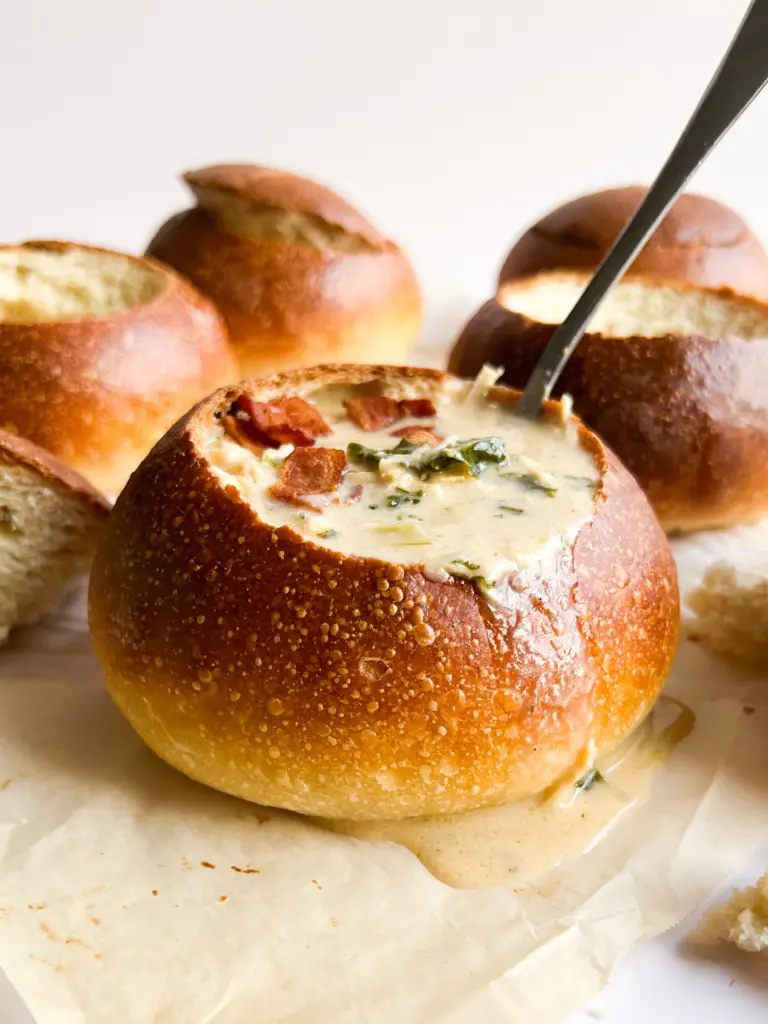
(742, 920)
(50, 522)
(731, 608)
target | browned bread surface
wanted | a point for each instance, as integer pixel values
(97, 389)
(687, 413)
(300, 276)
(700, 242)
(291, 674)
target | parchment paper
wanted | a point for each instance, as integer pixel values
(130, 895)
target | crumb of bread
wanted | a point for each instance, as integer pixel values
(731, 608)
(638, 308)
(742, 920)
(39, 285)
(248, 219)
(47, 537)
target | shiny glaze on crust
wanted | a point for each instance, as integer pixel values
(293, 675)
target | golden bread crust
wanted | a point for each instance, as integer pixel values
(687, 415)
(700, 242)
(98, 392)
(290, 674)
(290, 304)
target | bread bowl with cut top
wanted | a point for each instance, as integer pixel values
(300, 275)
(100, 353)
(673, 370)
(374, 592)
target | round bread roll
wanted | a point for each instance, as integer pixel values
(672, 377)
(344, 630)
(700, 242)
(100, 353)
(300, 276)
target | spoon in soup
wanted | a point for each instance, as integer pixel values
(741, 75)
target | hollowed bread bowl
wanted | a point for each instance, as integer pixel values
(281, 650)
(671, 371)
(673, 378)
(100, 353)
(300, 275)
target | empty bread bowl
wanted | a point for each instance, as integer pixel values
(100, 352)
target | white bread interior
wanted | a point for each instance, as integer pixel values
(637, 308)
(731, 607)
(39, 285)
(248, 219)
(47, 537)
(743, 920)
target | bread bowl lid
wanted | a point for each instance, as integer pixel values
(283, 190)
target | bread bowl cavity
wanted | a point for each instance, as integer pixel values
(100, 352)
(339, 679)
(642, 309)
(39, 285)
(516, 513)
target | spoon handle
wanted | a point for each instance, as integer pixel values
(741, 75)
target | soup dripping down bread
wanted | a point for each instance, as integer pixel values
(100, 353)
(375, 592)
(300, 275)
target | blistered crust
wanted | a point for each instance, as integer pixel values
(290, 674)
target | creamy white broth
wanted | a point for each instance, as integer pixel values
(520, 842)
(507, 518)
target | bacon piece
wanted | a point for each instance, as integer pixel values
(286, 420)
(313, 470)
(381, 411)
(418, 435)
(319, 501)
(373, 413)
(417, 407)
(237, 430)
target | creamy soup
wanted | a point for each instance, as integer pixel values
(516, 843)
(495, 494)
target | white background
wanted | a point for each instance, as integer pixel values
(453, 123)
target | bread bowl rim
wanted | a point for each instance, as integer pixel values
(644, 279)
(175, 287)
(331, 373)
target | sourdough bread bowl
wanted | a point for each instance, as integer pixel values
(50, 521)
(699, 242)
(374, 592)
(672, 373)
(299, 274)
(100, 353)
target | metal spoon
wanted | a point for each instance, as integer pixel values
(741, 75)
